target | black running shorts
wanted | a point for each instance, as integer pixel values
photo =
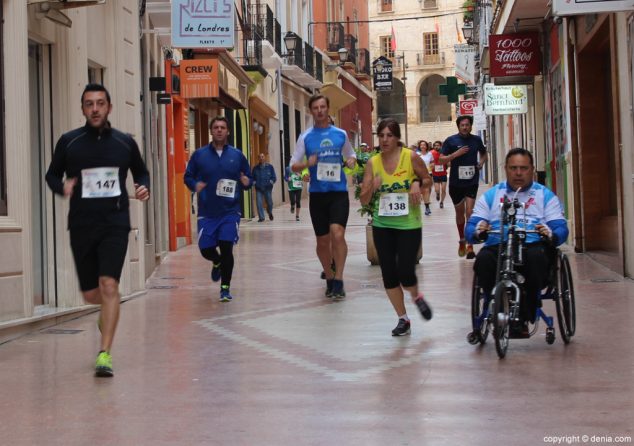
(327, 208)
(458, 194)
(98, 251)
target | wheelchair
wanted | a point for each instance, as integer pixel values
(499, 311)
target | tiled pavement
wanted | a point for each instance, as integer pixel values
(283, 365)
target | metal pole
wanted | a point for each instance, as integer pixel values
(404, 79)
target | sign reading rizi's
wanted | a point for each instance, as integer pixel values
(202, 23)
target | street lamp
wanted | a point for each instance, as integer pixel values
(467, 31)
(290, 40)
(343, 57)
(404, 79)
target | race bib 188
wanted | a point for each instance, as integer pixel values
(226, 188)
(100, 182)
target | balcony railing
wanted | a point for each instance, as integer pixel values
(261, 20)
(350, 42)
(309, 65)
(363, 61)
(335, 37)
(430, 59)
(319, 67)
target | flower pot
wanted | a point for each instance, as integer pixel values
(372, 255)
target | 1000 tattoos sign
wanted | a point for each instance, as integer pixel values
(202, 23)
(515, 55)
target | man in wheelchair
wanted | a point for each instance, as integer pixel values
(544, 216)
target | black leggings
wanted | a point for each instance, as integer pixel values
(296, 198)
(225, 258)
(397, 250)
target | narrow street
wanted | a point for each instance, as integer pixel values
(283, 365)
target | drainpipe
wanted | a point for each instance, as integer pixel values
(280, 111)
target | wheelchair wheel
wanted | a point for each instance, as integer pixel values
(565, 301)
(501, 319)
(479, 323)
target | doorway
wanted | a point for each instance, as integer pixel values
(599, 154)
(42, 230)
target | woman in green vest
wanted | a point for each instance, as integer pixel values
(397, 175)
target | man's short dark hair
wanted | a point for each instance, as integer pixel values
(219, 118)
(95, 87)
(518, 151)
(317, 97)
(461, 118)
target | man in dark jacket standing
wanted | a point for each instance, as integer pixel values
(264, 176)
(90, 166)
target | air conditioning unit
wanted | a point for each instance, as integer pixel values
(50, 9)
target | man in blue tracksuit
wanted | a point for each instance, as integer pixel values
(264, 176)
(219, 173)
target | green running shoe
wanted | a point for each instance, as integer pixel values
(103, 365)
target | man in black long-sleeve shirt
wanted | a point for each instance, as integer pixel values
(90, 166)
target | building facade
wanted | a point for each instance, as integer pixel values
(419, 38)
(49, 54)
(579, 123)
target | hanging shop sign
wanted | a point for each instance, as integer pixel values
(575, 7)
(382, 69)
(202, 23)
(467, 106)
(505, 99)
(465, 62)
(514, 55)
(199, 78)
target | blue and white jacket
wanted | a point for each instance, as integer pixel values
(207, 166)
(542, 207)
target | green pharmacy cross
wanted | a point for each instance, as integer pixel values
(452, 89)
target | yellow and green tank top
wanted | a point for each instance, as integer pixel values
(396, 183)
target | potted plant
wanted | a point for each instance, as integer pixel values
(368, 209)
(469, 7)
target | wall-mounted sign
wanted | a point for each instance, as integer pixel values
(505, 99)
(515, 55)
(382, 69)
(202, 23)
(465, 62)
(573, 7)
(199, 78)
(467, 106)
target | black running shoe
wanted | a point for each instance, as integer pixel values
(402, 329)
(337, 289)
(425, 310)
(329, 287)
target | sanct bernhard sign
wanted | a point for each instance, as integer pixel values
(505, 99)
(202, 23)
(515, 55)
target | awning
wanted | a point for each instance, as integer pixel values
(339, 98)
(228, 101)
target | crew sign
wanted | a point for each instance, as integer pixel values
(202, 23)
(382, 68)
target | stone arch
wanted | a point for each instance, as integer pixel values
(432, 106)
(389, 104)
